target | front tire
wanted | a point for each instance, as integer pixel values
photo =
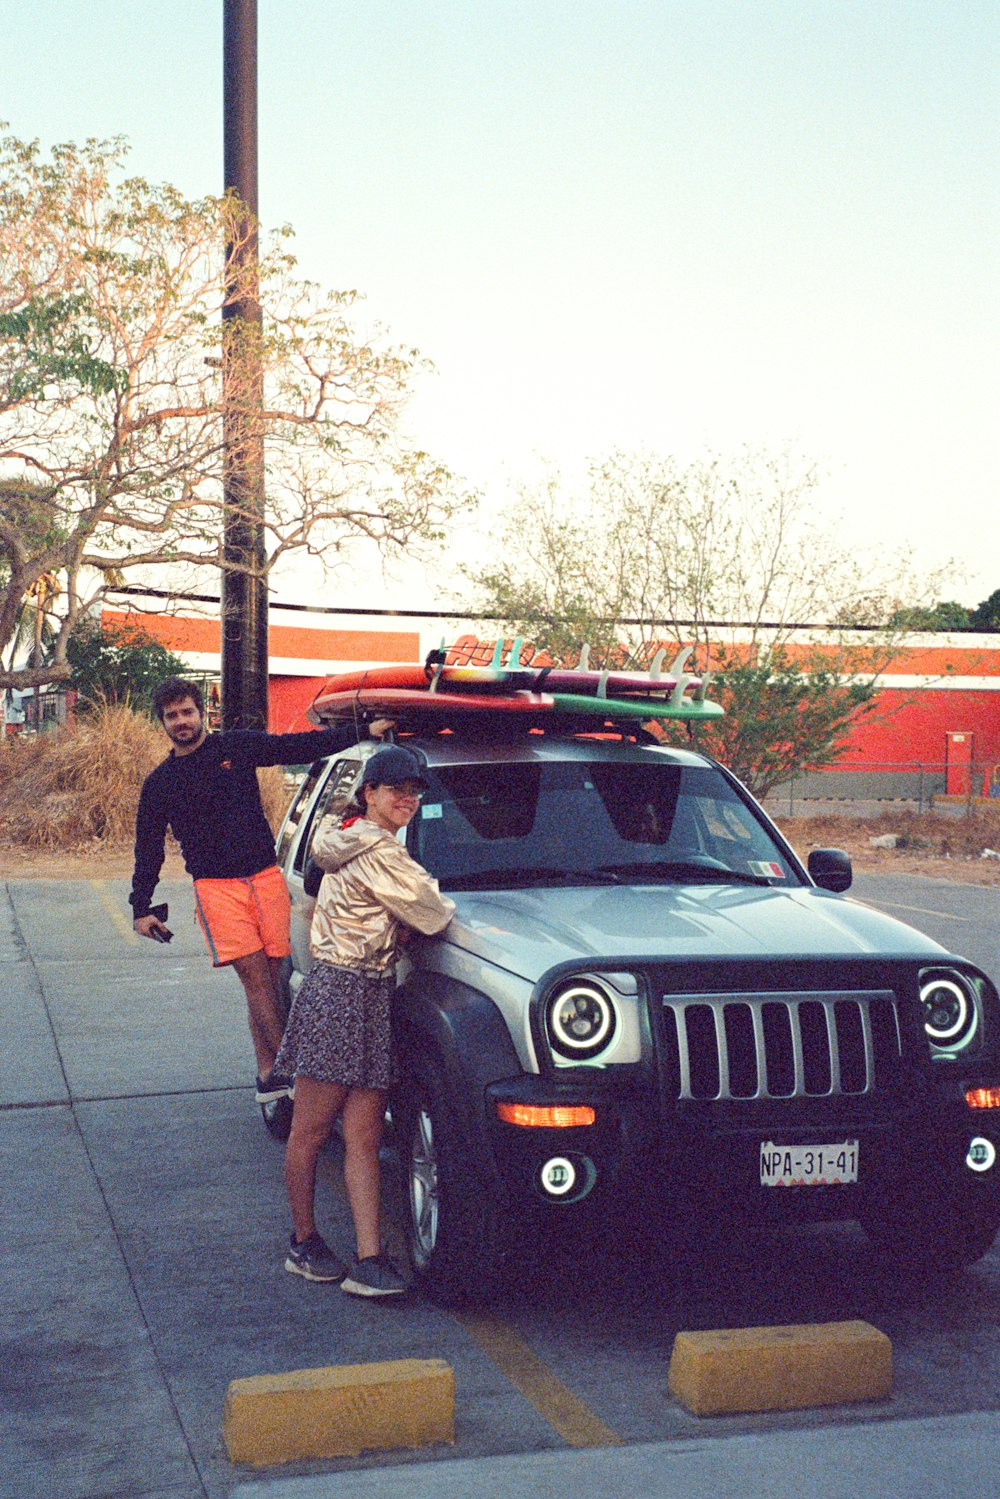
(451, 1227)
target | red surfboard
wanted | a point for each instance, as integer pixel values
(334, 704)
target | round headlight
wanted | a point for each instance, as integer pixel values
(950, 1013)
(581, 1020)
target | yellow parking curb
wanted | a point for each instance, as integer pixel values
(339, 1411)
(780, 1368)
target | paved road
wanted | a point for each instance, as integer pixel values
(963, 918)
(142, 1229)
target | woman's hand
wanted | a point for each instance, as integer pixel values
(379, 727)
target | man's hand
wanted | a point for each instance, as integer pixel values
(152, 926)
(379, 727)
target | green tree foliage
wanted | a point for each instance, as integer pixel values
(731, 557)
(947, 615)
(986, 616)
(118, 664)
(111, 401)
(784, 713)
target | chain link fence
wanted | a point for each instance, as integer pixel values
(867, 789)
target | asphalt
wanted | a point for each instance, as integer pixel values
(142, 1216)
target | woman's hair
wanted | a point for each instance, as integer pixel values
(357, 805)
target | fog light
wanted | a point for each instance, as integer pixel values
(558, 1176)
(982, 1154)
(553, 1116)
(565, 1179)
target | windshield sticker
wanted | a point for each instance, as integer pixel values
(766, 869)
(434, 809)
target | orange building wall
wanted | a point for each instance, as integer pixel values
(288, 699)
(910, 727)
(188, 633)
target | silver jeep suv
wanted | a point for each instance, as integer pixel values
(645, 1004)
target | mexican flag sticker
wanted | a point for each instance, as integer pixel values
(766, 869)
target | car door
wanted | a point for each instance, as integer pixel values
(331, 789)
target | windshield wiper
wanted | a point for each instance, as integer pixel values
(528, 874)
(710, 871)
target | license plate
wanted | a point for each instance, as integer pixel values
(809, 1165)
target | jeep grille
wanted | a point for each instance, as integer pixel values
(760, 1046)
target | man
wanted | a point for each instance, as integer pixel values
(206, 791)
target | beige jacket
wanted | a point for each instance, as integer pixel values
(370, 886)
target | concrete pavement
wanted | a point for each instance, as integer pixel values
(932, 1459)
(142, 1218)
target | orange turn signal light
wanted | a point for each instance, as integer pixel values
(555, 1116)
(983, 1098)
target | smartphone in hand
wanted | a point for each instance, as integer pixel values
(160, 912)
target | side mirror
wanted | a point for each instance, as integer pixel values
(830, 868)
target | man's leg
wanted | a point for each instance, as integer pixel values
(257, 974)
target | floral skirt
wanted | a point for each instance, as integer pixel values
(340, 1029)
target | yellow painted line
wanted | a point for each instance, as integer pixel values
(565, 1412)
(117, 915)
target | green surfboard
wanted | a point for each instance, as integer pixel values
(688, 709)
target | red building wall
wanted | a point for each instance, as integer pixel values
(910, 726)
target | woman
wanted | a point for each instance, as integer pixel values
(338, 1044)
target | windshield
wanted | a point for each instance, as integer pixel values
(570, 822)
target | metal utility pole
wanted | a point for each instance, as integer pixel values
(244, 583)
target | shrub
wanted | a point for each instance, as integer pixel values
(81, 786)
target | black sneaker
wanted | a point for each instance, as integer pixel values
(274, 1086)
(314, 1259)
(374, 1276)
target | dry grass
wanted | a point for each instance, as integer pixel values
(937, 834)
(80, 788)
(275, 794)
(937, 844)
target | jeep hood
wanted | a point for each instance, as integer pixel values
(527, 931)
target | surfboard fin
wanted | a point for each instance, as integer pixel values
(683, 682)
(584, 663)
(680, 661)
(656, 665)
(699, 693)
(497, 657)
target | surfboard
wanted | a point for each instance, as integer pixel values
(643, 708)
(409, 706)
(334, 703)
(580, 680)
(436, 690)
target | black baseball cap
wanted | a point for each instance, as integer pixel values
(392, 766)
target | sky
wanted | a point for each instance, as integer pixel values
(673, 226)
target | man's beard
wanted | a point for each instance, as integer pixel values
(184, 733)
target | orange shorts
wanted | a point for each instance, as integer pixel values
(241, 916)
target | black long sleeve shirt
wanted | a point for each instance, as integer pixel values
(211, 801)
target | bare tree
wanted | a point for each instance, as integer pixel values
(733, 557)
(111, 449)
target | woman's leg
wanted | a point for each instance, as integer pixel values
(316, 1107)
(364, 1111)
